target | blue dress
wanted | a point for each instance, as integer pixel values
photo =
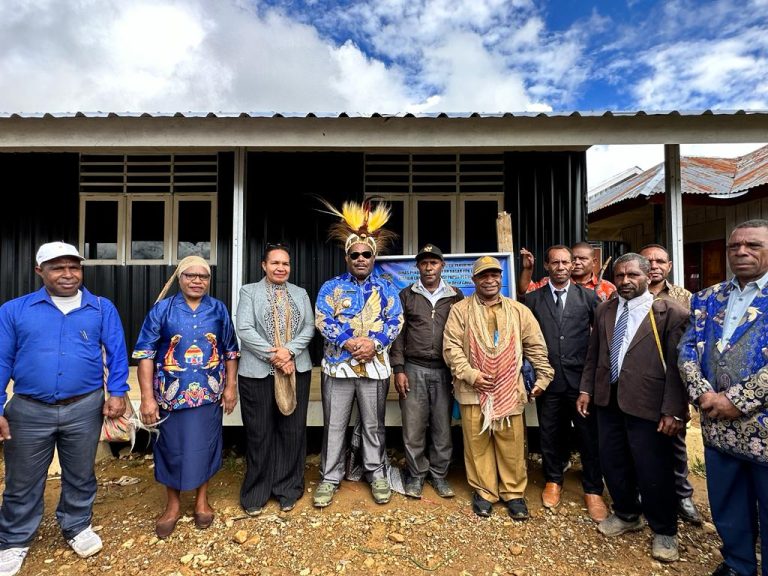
(189, 349)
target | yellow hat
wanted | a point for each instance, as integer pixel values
(485, 263)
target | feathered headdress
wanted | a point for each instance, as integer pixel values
(361, 223)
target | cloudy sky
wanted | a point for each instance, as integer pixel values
(388, 56)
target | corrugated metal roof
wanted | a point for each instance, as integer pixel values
(699, 175)
(266, 114)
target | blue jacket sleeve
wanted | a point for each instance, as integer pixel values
(7, 352)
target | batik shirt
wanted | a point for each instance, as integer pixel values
(737, 367)
(602, 288)
(190, 349)
(675, 293)
(347, 309)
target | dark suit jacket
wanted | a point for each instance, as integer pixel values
(645, 390)
(567, 339)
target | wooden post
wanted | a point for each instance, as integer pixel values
(504, 233)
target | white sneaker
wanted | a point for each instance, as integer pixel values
(86, 544)
(11, 560)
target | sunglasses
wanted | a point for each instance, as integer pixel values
(355, 255)
(191, 276)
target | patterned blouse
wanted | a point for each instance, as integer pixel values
(190, 349)
(276, 314)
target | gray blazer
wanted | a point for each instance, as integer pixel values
(254, 346)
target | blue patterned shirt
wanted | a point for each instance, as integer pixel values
(348, 309)
(190, 349)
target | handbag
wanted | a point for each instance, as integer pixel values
(285, 384)
(120, 429)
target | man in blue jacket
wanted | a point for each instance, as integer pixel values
(54, 344)
(724, 362)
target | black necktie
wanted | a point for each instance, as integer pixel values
(559, 303)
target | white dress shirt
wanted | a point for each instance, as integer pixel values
(638, 310)
(563, 296)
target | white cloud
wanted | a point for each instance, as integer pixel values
(194, 55)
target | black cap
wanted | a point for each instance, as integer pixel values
(429, 251)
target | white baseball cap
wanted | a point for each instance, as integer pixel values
(53, 250)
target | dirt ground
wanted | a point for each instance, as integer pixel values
(354, 535)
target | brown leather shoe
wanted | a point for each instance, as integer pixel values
(550, 497)
(165, 528)
(203, 520)
(596, 507)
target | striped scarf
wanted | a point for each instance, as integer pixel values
(494, 354)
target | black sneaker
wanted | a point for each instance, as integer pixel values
(481, 506)
(414, 487)
(517, 509)
(441, 486)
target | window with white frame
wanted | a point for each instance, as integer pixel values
(450, 200)
(148, 209)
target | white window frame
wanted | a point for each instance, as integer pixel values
(170, 223)
(461, 224)
(416, 199)
(136, 198)
(182, 197)
(458, 201)
(120, 199)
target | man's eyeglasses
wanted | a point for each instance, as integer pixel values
(189, 276)
(355, 255)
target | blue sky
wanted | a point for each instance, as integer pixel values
(387, 56)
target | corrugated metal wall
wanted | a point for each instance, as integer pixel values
(546, 194)
(544, 191)
(52, 181)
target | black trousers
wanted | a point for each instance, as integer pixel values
(276, 445)
(638, 461)
(556, 412)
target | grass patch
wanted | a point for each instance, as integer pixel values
(698, 468)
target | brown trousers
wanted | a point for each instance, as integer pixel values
(495, 463)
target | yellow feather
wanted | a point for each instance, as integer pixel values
(379, 216)
(353, 214)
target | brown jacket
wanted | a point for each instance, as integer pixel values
(645, 390)
(529, 342)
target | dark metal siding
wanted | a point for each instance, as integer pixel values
(281, 206)
(546, 194)
(50, 181)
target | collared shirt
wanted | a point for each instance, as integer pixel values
(433, 297)
(738, 302)
(638, 310)
(346, 309)
(189, 348)
(675, 293)
(564, 291)
(53, 356)
(602, 288)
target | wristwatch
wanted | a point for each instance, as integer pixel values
(293, 354)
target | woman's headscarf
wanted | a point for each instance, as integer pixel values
(184, 264)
